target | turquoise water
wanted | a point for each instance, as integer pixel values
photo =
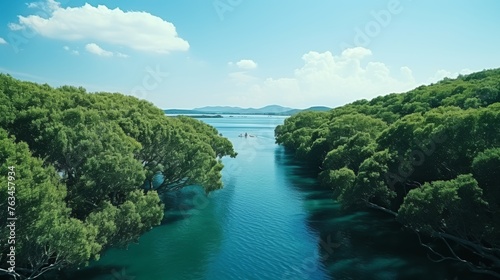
(271, 221)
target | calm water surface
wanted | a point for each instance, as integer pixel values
(271, 221)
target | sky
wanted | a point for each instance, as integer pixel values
(187, 54)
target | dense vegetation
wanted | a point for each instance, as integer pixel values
(89, 170)
(430, 157)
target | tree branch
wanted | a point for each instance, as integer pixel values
(475, 248)
(378, 207)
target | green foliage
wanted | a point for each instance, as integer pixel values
(370, 183)
(45, 231)
(352, 153)
(289, 134)
(455, 206)
(101, 153)
(412, 154)
(340, 180)
(486, 169)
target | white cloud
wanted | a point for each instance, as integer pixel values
(328, 79)
(442, 73)
(73, 52)
(356, 53)
(16, 27)
(241, 77)
(140, 31)
(345, 78)
(119, 54)
(331, 80)
(407, 74)
(47, 6)
(95, 49)
(2, 41)
(246, 64)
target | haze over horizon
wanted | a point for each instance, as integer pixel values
(247, 54)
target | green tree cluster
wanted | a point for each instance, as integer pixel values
(430, 157)
(90, 170)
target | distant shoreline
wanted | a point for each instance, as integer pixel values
(219, 116)
(275, 111)
(204, 116)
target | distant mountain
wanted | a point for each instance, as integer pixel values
(270, 109)
(221, 109)
(228, 110)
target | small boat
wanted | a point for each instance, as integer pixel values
(246, 135)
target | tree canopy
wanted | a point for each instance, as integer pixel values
(90, 170)
(429, 156)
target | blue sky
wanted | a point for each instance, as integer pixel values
(187, 54)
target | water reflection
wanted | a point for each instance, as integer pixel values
(270, 221)
(362, 244)
(188, 238)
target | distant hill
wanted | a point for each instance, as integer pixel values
(228, 110)
(318, 108)
(314, 108)
(274, 109)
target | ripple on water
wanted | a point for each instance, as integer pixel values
(268, 222)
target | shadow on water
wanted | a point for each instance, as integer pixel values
(179, 248)
(98, 273)
(269, 222)
(362, 244)
(180, 204)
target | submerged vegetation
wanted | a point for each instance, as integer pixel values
(430, 157)
(87, 171)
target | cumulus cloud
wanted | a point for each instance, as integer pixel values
(95, 49)
(246, 64)
(47, 6)
(325, 78)
(346, 77)
(356, 53)
(2, 41)
(140, 31)
(242, 77)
